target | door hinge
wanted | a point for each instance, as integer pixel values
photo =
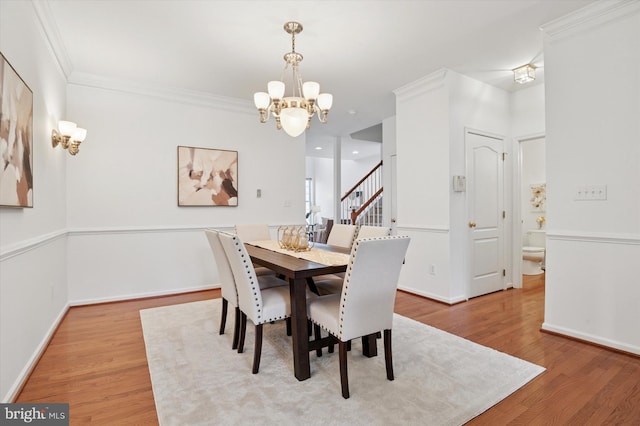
(504, 214)
(504, 272)
(504, 156)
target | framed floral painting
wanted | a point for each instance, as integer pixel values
(16, 139)
(207, 177)
(538, 197)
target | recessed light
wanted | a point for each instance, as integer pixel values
(318, 148)
(355, 152)
(352, 112)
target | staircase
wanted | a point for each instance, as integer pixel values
(362, 204)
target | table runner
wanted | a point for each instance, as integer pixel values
(322, 257)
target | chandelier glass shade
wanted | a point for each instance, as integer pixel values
(293, 113)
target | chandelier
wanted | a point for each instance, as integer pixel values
(293, 113)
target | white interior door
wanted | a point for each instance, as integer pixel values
(485, 188)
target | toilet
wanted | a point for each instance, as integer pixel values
(533, 254)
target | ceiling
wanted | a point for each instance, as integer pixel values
(360, 51)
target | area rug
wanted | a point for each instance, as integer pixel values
(440, 379)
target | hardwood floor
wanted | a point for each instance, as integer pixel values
(96, 361)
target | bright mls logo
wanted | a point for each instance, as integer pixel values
(36, 414)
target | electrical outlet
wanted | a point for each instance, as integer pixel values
(432, 269)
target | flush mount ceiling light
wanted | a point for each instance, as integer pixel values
(524, 74)
(293, 113)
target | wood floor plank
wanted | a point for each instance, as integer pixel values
(96, 361)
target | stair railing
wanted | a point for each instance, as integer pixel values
(363, 200)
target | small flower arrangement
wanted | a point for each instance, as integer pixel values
(541, 220)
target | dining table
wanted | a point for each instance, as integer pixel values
(299, 271)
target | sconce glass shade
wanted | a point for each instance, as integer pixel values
(80, 134)
(524, 74)
(294, 120)
(67, 127)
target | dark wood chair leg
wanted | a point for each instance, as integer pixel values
(223, 318)
(387, 354)
(318, 332)
(288, 323)
(236, 328)
(344, 379)
(257, 350)
(369, 345)
(243, 330)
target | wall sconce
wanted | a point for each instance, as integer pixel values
(524, 74)
(69, 136)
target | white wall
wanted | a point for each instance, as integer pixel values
(105, 223)
(33, 260)
(482, 108)
(128, 237)
(593, 137)
(527, 111)
(431, 117)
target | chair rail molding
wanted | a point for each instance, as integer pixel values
(30, 244)
(594, 237)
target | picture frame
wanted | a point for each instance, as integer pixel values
(538, 198)
(16, 138)
(207, 177)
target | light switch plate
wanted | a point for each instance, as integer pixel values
(590, 193)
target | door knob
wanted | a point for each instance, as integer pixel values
(472, 224)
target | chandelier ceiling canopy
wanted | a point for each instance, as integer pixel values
(293, 113)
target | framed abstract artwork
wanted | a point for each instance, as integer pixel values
(16, 139)
(207, 177)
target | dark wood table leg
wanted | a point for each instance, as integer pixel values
(299, 329)
(369, 346)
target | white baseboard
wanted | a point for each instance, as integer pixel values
(448, 301)
(586, 337)
(35, 357)
(33, 360)
(95, 301)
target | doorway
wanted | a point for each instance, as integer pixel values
(529, 206)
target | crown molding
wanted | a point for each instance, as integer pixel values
(50, 29)
(588, 17)
(433, 81)
(169, 94)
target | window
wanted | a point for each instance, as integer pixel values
(308, 195)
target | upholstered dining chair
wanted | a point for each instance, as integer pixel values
(255, 232)
(368, 231)
(365, 305)
(260, 305)
(342, 235)
(227, 284)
